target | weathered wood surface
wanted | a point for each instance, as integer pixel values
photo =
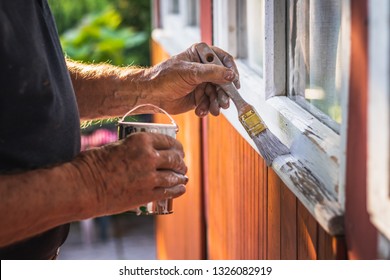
(248, 212)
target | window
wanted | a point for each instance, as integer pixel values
(251, 33)
(293, 57)
(379, 116)
(173, 6)
(192, 12)
(315, 58)
(180, 24)
(244, 37)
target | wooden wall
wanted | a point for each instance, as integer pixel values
(251, 214)
(181, 235)
(361, 234)
(235, 207)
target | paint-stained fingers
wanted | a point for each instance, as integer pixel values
(223, 98)
(161, 141)
(211, 92)
(199, 94)
(228, 61)
(168, 178)
(170, 184)
(201, 101)
(170, 192)
(172, 160)
(207, 99)
(203, 108)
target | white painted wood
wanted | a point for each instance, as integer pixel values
(275, 48)
(321, 203)
(314, 144)
(379, 116)
(314, 165)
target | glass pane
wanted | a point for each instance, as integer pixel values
(193, 12)
(255, 11)
(315, 57)
(174, 7)
(251, 32)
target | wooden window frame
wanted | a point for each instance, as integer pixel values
(176, 34)
(378, 167)
(315, 169)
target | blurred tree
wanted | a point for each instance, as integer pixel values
(137, 14)
(99, 37)
(115, 31)
(69, 12)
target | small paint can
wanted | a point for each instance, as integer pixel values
(125, 128)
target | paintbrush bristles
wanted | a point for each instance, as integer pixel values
(269, 146)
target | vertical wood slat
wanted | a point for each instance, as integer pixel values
(284, 229)
(288, 227)
(236, 187)
(325, 250)
(181, 235)
(274, 216)
(307, 234)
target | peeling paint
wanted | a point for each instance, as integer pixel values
(321, 203)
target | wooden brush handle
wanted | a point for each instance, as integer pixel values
(208, 56)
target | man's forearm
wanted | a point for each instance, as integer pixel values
(35, 201)
(104, 90)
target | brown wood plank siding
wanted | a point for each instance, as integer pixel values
(288, 227)
(240, 185)
(235, 219)
(307, 235)
(274, 217)
(249, 212)
(181, 235)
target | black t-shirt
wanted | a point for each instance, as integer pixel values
(39, 120)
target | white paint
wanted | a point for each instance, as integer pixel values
(379, 116)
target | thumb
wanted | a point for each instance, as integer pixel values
(212, 73)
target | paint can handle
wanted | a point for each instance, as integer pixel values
(150, 105)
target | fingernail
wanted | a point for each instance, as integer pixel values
(224, 102)
(185, 179)
(202, 112)
(227, 62)
(229, 75)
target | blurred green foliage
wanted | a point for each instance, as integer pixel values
(100, 38)
(114, 31)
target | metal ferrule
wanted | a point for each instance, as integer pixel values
(252, 123)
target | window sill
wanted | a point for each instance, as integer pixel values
(311, 171)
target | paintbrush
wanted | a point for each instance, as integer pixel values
(269, 146)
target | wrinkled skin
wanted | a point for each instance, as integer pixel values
(146, 167)
(120, 176)
(184, 83)
(140, 168)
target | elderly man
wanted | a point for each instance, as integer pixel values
(45, 182)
